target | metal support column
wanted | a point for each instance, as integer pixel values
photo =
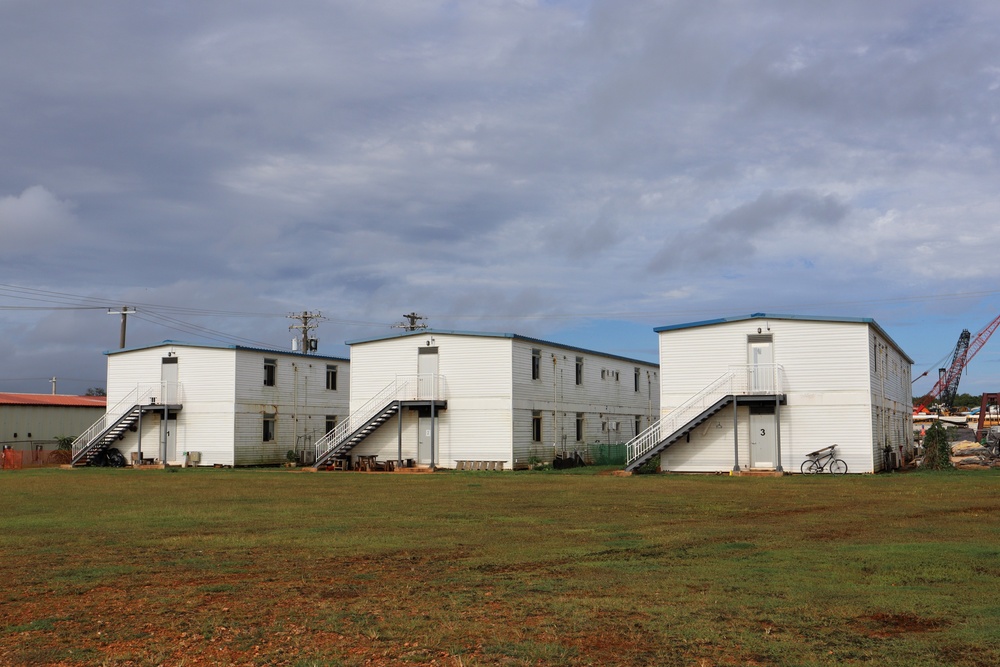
(433, 401)
(777, 429)
(163, 434)
(399, 434)
(139, 446)
(736, 439)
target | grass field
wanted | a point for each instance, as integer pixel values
(272, 567)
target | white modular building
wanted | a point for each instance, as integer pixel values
(449, 398)
(217, 404)
(761, 392)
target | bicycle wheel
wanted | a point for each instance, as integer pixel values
(837, 467)
(809, 467)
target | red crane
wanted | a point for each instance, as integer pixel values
(947, 384)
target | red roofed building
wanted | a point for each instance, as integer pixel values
(30, 421)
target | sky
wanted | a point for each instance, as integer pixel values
(580, 172)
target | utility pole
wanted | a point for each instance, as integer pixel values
(307, 322)
(124, 312)
(413, 322)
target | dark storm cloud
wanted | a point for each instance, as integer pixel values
(379, 157)
(739, 231)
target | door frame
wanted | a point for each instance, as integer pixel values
(763, 417)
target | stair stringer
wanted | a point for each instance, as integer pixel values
(696, 421)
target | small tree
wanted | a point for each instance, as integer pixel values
(937, 451)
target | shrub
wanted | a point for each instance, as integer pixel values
(937, 451)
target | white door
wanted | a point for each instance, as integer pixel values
(168, 380)
(761, 358)
(171, 455)
(424, 440)
(427, 369)
(762, 441)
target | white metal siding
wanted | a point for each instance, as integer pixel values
(891, 400)
(476, 383)
(299, 401)
(607, 393)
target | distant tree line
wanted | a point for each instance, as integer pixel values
(962, 401)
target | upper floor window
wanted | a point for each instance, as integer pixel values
(270, 372)
(579, 370)
(638, 374)
(536, 364)
(331, 377)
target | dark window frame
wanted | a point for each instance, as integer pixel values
(270, 372)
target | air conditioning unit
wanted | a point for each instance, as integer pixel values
(307, 457)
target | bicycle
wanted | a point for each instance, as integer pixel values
(823, 460)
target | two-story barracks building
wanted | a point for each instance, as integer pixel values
(233, 405)
(494, 396)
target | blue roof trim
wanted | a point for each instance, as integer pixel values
(512, 336)
(780, 316)
(224, 346)
(765, 316)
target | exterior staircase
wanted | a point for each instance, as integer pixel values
(339, 446)
(381, 408)
(760, 380)
(111, 426)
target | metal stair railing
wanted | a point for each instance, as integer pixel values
(745, 380)
(97, 429)
(426, 386)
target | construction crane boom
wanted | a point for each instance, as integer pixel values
(946, 388)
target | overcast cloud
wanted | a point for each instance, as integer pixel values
(578, 171)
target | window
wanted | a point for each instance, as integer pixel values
(331, 378)
(331, 422)
(638, 424)
(638, 374)
(536, 426)
(536, 364)
(270, 372)
(579, 370)
(579, 427)
(268, 435)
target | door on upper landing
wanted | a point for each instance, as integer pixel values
(168, 380)
(427, 370)
(760, 357)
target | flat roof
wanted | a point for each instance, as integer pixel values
(223, 346)
(56, 400)
(778, 316)
(513, 336)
